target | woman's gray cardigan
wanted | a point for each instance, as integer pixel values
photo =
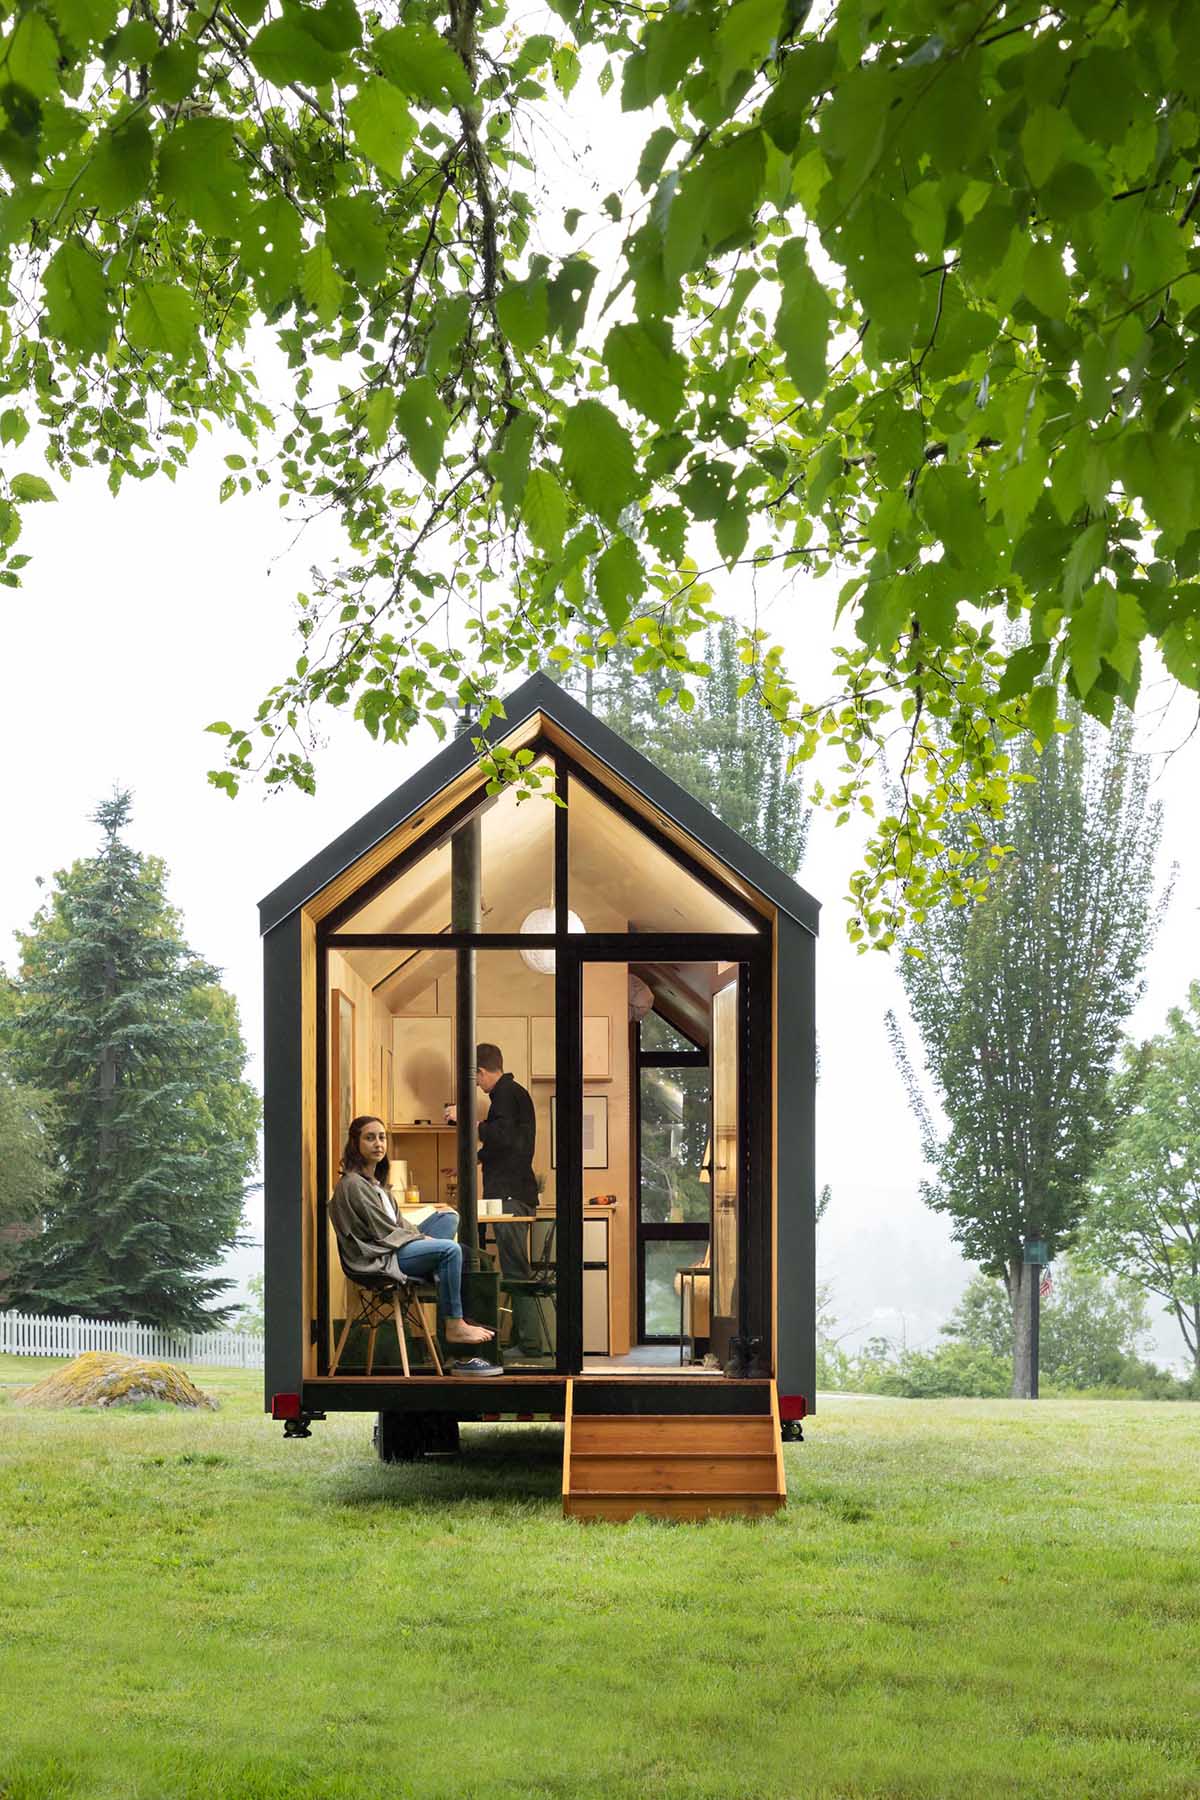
(368, 1233)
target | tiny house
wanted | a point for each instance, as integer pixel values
(648, 978)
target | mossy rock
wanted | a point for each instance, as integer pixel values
(100, 1378)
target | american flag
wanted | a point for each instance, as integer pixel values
(1046, 1287)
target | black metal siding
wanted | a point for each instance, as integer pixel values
(795, 1101)
(282, 1161)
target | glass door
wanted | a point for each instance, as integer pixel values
(674, 1124)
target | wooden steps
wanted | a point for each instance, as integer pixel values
(692, 1465)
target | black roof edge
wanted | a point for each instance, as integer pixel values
(538, 694)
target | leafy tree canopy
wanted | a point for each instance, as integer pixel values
(1091, 1327)
(909, 290)
(1144, 1220)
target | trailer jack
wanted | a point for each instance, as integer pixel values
(298, 1427)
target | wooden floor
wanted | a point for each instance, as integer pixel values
(687, 1465)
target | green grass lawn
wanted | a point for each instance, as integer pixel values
(962, 1598)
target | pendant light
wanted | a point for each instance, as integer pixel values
(539, 923)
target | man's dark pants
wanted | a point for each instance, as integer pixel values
(512, 1247)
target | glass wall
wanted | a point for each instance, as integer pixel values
(516, 871)
(621, 880)
(392, 1051)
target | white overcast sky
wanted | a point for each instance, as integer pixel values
(143, 619)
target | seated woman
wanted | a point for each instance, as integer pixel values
(375, 1241)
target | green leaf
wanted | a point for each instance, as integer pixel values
(705, 492)
(162, 317)
(284, 51)
(620, 579)
(598, 460)
(85, 22)
(320, 282)
(357, 240)
(271, 250)
(423, 65)
(14, 426)
(646, 369)
(523, 311)
(666, 527)
(1043, 139)
(174, 72)
(568, 296)
(747, 35)
(564, 66)
(655, 151)
(32, 60)
(806, 73)
(31, 487)
(77, 308)
(732, 530)
(199, 167)
(449, 325)
(424, 421)
(802, 324)
(509, 462)
(1044, 280)
(336, 24)
(544, 510)
(1022, 669)
(1043, 709)
(382, 125)
(120, 168)
(716, 201)
(951, 506)
(534, 52)
(381, 411)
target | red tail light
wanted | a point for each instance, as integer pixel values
(793, 1406)
(285, 1406)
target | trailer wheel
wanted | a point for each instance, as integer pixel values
(408, 1436)
(792, 1432)
(399, 1437)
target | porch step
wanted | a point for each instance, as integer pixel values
(672, 1465)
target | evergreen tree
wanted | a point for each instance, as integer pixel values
(1020, 1003)
(141, 1051)
(726, 751)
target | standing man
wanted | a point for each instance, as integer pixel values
(507, 1139)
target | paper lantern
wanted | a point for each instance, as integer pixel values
(540, 921)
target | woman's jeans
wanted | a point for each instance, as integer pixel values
(436, 1255)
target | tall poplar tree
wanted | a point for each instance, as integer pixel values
(140, 1050)
(1020, 1003)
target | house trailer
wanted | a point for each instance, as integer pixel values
(648, 978)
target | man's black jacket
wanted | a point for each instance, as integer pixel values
(507, 1136)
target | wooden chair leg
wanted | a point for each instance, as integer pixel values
(371, 1347)
(341, 1343)
(398, 1312)
(423, 1324)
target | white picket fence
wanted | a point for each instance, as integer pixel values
(31, 1334)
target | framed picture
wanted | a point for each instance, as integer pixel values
(595, 1132)
(342, 1084)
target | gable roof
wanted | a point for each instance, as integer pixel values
(541, 695)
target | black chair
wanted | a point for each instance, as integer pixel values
(542, 1284)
